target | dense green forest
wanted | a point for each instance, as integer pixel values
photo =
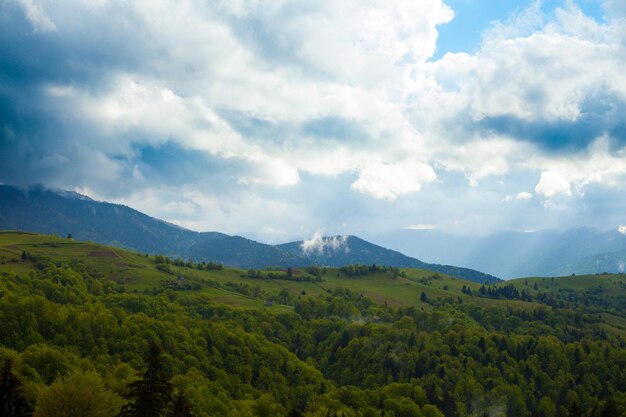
(84, 332)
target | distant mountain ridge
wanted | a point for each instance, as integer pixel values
(336, 251)
(517, 254)
(41, 210)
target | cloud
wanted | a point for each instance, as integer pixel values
(37, 16)
(321, 244)
(622, 229)
(278, 102)
(596, 165)
(420, 227)
(524, 195)
(552, 183)
(389, 181)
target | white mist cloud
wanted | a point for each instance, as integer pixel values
(622, 229)
(524, 195)
(420, 227)
(553, 183)
(389, 181)
(319, 244)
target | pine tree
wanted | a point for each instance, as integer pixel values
(12, 401)
(150, 395)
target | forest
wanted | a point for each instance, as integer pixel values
(74, 341)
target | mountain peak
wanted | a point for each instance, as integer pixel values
(341, 250)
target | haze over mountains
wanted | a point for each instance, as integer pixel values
(42, 210)
(517, 254)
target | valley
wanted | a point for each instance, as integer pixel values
(360, 340)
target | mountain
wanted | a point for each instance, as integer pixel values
(41, 210)
(517, 254)
(337, 251)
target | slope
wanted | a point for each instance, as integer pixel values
(337, 251)
(41, 210)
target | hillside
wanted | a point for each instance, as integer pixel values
(41, 210)
(337, 251)
(77, 318)
(46, 211)
(397, 287)
(137, 272)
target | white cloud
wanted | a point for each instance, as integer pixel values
(424, 226)
(37, 16)
(595, 165)
(553, 183)
(622, 229)
(319, 244)
(524, 195)
(481, 158)
(389, 181)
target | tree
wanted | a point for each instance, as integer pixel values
(546, 408)
(79, 394)
(423, 298)
(430, 410)
(12, 401)
(69, 236)
(150, 395)
(180, 406)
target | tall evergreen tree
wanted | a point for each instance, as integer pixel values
(12, 401)
(150, 395)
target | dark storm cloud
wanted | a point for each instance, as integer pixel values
(170, 164)
(330, 128)
(600, 114)
(39, 140)
(84, 49)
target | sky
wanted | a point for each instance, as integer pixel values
(281, 119)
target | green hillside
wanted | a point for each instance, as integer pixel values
(140, 273)
(394, 287)
(353, 341)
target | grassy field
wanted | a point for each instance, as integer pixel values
(138, 272)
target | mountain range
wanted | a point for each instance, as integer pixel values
(42, 210)
(518, 254)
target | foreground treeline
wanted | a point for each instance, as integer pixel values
(67, 335)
